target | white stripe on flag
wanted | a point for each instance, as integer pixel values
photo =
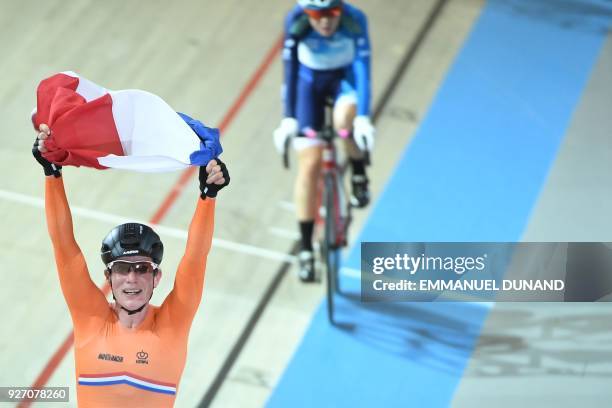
(142, 139)
(86, 88)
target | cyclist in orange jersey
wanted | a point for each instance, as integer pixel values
(129, 352)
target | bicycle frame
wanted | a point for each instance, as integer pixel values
(337, 216)
(332, 184)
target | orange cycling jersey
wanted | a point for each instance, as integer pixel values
(117, 366)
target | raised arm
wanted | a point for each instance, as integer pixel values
(184, 299)
(83, 297)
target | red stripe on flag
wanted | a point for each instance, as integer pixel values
(86, 132)
(46, 92)
(81, 131)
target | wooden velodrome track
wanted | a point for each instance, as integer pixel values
(199, 56)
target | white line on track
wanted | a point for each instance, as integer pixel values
(181, 234)
(168, 231)
(284, 233)
(287, 206)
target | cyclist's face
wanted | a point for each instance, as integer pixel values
(134, 288)
(326, 26)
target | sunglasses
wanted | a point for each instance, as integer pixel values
(124, 267)
(319, 14)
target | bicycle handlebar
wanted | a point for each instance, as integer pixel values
(320, 136)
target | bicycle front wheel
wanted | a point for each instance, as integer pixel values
(329, 244)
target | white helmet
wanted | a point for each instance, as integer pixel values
(319, 4)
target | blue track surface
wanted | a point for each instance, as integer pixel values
(472, 173)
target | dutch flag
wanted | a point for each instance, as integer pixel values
(126, 129)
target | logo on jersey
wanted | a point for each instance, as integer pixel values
(142, 357)
(133, 251)
(110, 357)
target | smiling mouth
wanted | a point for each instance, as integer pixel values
(132, 292)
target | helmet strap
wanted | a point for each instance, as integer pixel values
(131, 312)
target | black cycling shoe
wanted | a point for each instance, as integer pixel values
(360, 196)
(306, 266)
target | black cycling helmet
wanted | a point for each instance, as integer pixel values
(132, 239)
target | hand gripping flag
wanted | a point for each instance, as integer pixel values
(127, 129)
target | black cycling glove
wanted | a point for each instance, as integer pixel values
(51, 169)
(211, 190)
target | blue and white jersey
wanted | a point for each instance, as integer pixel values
(311, 56)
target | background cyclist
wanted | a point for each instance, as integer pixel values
(326, 54)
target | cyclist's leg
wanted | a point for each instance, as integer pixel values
(308, 172)
(344, 112)
(309, 113)
(305, 193)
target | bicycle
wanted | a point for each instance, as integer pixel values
(332, 200)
